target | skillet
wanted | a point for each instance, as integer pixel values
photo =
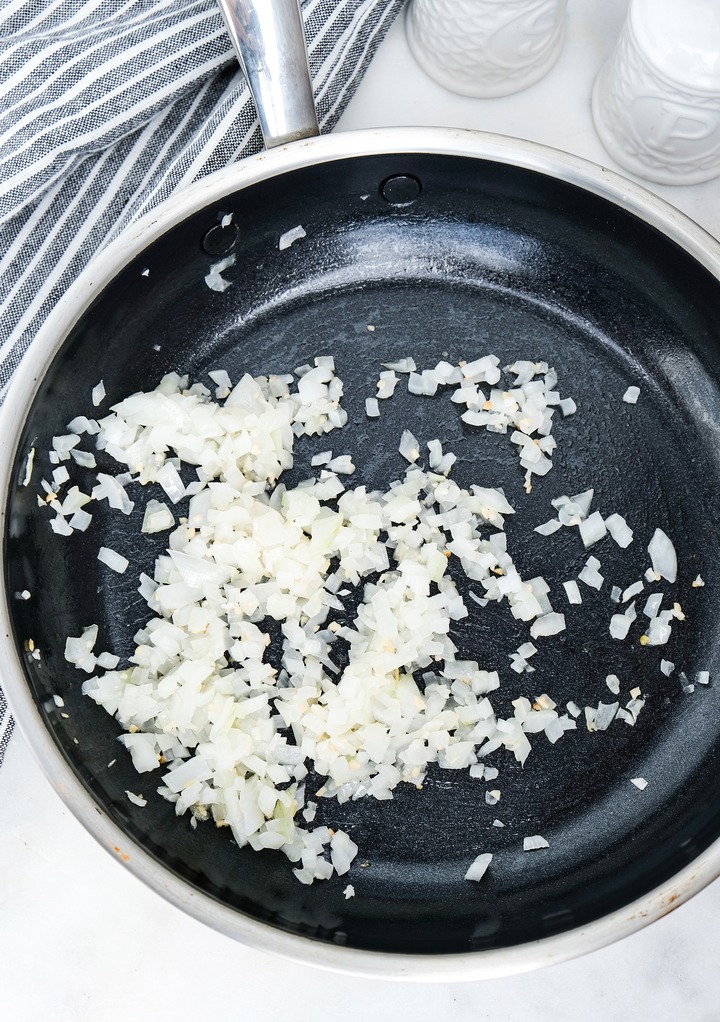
(451, 244)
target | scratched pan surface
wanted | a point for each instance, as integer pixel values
(484, 258)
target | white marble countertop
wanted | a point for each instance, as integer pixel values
(82, 940)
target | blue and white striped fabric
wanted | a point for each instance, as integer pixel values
(109, 106)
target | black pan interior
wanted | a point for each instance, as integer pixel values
(453, 258)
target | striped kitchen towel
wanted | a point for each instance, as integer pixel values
(108, 107)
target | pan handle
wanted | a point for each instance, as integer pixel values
(269, 41)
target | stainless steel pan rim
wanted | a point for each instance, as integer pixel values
(443, 141)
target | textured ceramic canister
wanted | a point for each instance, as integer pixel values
(656, 103)
(486, 47)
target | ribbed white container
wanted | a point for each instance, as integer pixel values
(485, 48)
(656, 103)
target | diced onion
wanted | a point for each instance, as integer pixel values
(214, 279)
(403, 365)
(632, 590)
(663, 556)
(531, 844)
(548, 624)
(157, 518)
(591, 577)
(113, 559)
(369, 700)
(290, 237)
(619, 530)
(619, 626)
(652, 605)
(479, 866)
(592, 529)
(548, 528)
(409, 446)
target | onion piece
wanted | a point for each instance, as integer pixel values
(342, 465)
(27, 475)
(403, 365)
(548, 528)
(548, 624)
(632, 590)
(108, 661)
(652, 605)
(531, 844)
(685, 683)
(582, 502)
(214, 279)
(592, 529)
(479, 866)
(86, 459)
(386, 385)
(290, 237)
(591, 577)
(64, 444)
(342, 851)
(663, 556)
(620, 623)
(113, 559)
(78, 651)
(157, 517)
(613, 683)
(409, 446)
(222, 381)
(619, 530)
(631, 395)
(80, 520)
(60, 526)
(605, 715)
(659, 630)
(172, 484)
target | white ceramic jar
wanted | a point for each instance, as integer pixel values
(485, 48)
(656, 103)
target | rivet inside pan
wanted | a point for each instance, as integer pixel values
(220, 239)
(400, 189)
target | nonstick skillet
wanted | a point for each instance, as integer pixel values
(451, 244)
